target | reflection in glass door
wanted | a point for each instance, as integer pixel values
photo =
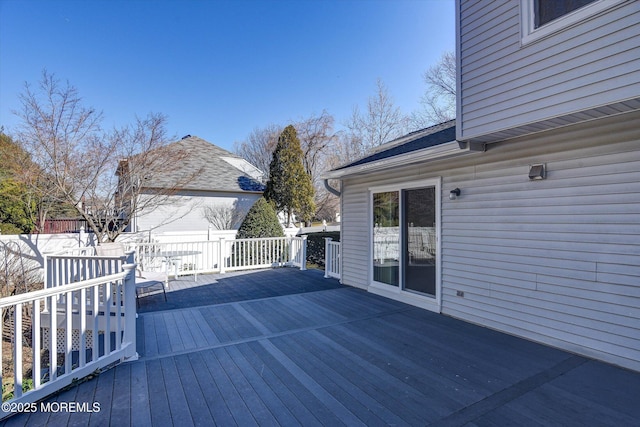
(386, 237)
(419, 240)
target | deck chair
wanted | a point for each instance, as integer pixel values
(147, 282)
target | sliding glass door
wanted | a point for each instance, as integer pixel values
(386, 237)
(419, 242)
(404, 237)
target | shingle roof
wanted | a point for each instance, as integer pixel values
(424, 138)
(216, 174)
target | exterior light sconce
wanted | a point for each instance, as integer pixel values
(453, 194)
(537, 172)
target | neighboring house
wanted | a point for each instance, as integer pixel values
(222, 180)
(525, 216)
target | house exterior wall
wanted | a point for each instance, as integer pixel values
(506, 82)
(184, 211)
(557, 260)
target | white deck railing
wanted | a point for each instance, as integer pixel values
(62, 333)
(219, 256)
(79, 264)
(331, 258)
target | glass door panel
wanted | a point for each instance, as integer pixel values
(386, 237)
(419, 243)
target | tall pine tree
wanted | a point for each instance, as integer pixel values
(289, 185)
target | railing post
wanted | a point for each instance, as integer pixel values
(291, 260)
(222, 251)
(327, 256)
(303, 254)
(130, 308)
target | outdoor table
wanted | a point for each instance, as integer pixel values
(175, 257)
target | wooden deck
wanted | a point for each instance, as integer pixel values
(310, 352)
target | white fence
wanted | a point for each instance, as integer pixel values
(62, 333)
(331, 258)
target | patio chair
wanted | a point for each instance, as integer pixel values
(147, 282)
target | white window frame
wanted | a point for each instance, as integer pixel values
(531, 34)
(397, 292)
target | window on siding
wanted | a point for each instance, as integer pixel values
(547, 10)
(542, 18)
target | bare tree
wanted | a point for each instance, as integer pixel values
(316, 138)
(439, 99)
(224, 216)
(55, 130)
(259, 146)
(381, 122)
(318, 141)
(101, 174)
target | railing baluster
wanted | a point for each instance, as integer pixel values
(2, 311)
(53, 341)
(107, 316)
(35, 339)
(94, 334)
(82, 356)
(118, 287)
(17, 351)
(68, 332)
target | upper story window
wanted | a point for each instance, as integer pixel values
(546, 11)
(541, 18)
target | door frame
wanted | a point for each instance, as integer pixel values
(397, 292)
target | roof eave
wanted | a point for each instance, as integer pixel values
(438, 152)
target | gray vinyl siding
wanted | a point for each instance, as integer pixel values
(505, 84)
(557, 260)
(354, 229)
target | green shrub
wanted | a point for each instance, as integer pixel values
(315, 246)
(261, 221)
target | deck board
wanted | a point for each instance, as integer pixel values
(287, 380)
(441, 393)
(176, 392)
(139, 406)
(332, 355)
(121, 396)
(395, 394)
(237, 406)
(268, 402)
(294, 405)
(158, 398)
(193, 393)
(333, 404)
(214, 400)
(174, 332)
(376, 399)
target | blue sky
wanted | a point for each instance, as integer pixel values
(219, 69)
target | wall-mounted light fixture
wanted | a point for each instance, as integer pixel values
(537, 172)
(453, 194)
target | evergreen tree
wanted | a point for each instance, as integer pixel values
(17, 207)
(289, 186)
(261, 221)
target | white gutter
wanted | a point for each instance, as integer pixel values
(438, 152)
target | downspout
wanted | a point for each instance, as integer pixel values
(330, 189)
